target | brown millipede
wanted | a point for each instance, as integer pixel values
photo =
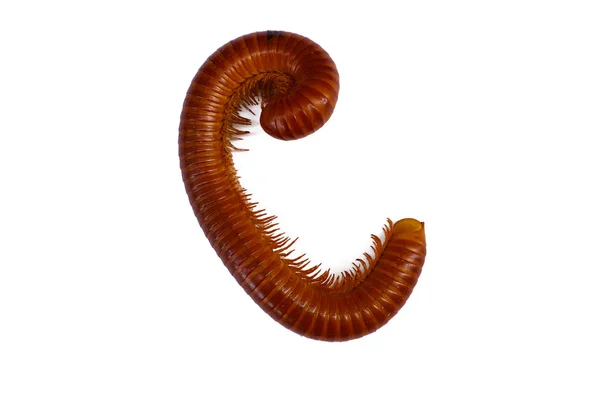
(297, 85)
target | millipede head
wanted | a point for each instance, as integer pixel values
(410, 228)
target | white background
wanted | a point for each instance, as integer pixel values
(479, 117)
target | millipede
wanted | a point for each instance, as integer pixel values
(296, 84)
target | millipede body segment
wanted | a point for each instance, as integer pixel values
(297, 85)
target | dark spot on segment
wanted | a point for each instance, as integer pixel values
(272, 34)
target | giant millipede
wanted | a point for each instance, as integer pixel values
(296, 83)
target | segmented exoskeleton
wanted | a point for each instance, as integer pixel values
(297, 84)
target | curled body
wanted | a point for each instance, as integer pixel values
(297, 85)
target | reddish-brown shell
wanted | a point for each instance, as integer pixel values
(297, 84)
